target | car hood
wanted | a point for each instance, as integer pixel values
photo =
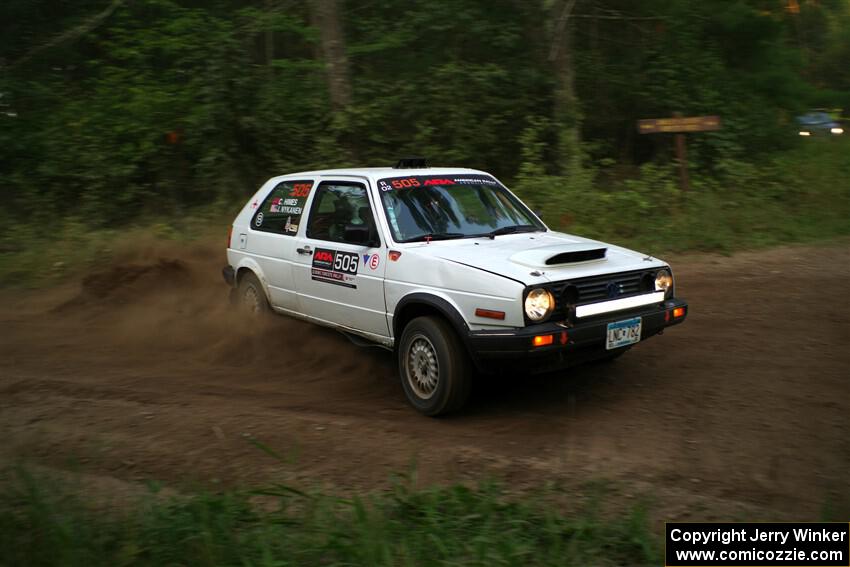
(538, 257)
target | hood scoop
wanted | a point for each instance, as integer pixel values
(576, 256)
(560, 254)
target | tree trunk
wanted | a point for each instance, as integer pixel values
(567, 116)
(324, 15)
(269, 38)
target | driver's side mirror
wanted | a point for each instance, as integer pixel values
(359, 234)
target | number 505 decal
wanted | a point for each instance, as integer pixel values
(346, 262)
(300, 190)
(402, 183)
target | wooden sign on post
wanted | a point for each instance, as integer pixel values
(680, 125)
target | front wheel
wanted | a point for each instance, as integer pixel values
(435, 370)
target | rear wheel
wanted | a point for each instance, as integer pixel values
(435, 370)
(250, 297)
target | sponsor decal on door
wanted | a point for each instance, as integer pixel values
(371, 260)
(335, 267)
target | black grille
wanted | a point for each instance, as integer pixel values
(596, 288)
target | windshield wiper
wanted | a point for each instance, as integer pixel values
(512, 229)
(435, 236)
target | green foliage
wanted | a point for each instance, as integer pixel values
(795, 196)
(799, 195)
(42, 523)
(742, 60)
(166, 106)
(169, 104)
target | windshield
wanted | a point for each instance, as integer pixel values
(813, 118)
(440, 207)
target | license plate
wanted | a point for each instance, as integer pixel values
(623, 333)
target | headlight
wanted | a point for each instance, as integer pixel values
(837, 131)
(663, 281)
(805, 133)
(539, 303)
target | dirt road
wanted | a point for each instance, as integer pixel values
(742, 411)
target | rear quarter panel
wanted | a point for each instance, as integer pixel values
(263, 248)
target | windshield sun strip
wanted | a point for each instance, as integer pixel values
(500, 192)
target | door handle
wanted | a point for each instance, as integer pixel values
(305, 250)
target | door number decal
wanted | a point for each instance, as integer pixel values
(335, 267)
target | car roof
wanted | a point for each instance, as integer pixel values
(375, 173)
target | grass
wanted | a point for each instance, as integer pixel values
(798, 196)
(29, 259)
(42, 524)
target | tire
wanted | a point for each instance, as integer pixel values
(250, 297)
(435, 369)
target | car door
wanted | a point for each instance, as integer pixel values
(271, 239)
(340, 259)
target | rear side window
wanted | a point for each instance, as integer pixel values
(282, 209)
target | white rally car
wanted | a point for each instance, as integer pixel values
(446, 267)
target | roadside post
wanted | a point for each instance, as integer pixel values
(680, 125)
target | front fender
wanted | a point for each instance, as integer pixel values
(436, 300)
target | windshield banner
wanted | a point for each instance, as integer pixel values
(414, 181)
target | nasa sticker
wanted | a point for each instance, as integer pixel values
(259, 220)
(374, 260)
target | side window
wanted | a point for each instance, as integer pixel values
(338, 205)
(282, 209)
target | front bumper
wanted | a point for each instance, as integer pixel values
(573, 343)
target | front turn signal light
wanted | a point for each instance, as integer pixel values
(543, 340)
(678, 312)
(490, 314)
